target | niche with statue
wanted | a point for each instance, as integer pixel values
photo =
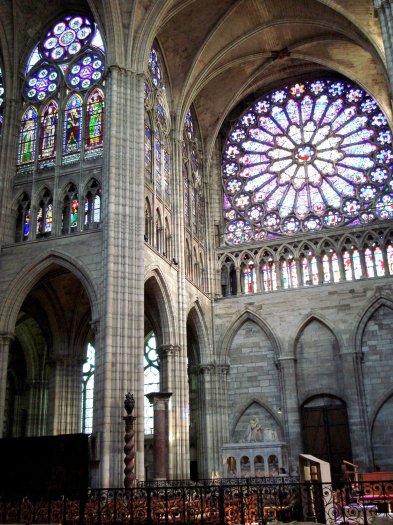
(257, 448)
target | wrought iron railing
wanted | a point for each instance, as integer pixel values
(236, 501)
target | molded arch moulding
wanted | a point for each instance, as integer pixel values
(378, 407)
(163, 297)
(235, 324)
(31, 274)
(365, 316)
(263, 404)
(308, 319)
(196, 316)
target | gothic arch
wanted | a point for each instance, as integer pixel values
(30, 275)
(161, 312)
(365, 316)
(235, 324)
(196, 317)
(320, 319)
(259, 401)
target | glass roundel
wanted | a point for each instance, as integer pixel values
(42, 82)
(66, 38)
(308, 156)
(85, 70)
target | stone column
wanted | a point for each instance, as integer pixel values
(5, 341)
(384, 9)
(290, 409)
(65, 379)
(38, 406)
(359, 426)
(160, 400)
(119, 352)
(8, 151)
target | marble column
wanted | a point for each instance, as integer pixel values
(5, 341)
(160, 401)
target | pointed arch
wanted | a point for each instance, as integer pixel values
(308, 319)
(158, 299)
(30, 274)
(27, 136)
(264, 405)
(364, 318)
(94, 128)
(196, 316)
(72, 127)
(235, 324)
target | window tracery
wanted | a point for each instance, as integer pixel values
(87, 395)
(157, 165)
(62, 123)
(64, 68)
(307, 157)
(151, 379)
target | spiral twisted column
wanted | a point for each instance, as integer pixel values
(129, 442)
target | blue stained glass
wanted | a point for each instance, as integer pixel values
(367, 192)
(384, 206)
(67, 38)
(357, 138)
(72, 125)
(342, 186)
(320, 107)
(302, 170)
(333, 111)
(336, 88)
(293, 111)
(255, 146)
(280, 117)
(27, 136)
(86, 71)
(253, 171)
(307, 105)
(253, 184)
(261, 135)
(379, 120)
(269, 125)
(360, 149)
(41, 83)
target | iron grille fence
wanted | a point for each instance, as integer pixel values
(251, 501)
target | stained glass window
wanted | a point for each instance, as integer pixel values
(155, 68)
(249, 277)
(369, 263)
(389, 254)
(92, 205)
(72, 126)
(47, 150)
(88, 391)
(326, 268)
(94, 123)
(69, 59)
(148, 148)
(309, 156)
(152, 379)
(27, 136)
(379, 262)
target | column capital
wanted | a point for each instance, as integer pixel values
(168, 350)
(6, 337)
(159, 399)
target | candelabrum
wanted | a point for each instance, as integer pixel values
(129, 442)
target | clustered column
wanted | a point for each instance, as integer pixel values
(5, 341)
(385, 13)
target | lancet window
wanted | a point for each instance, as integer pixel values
(65, 69)
(309, 156)
(62, 123)
(87, 395)
(151, 378)
(157, 168)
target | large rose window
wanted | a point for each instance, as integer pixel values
(309, 156)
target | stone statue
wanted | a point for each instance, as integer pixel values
(129, 403)
(254, 431)
(270, 435)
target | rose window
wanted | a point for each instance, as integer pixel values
(310, 156)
